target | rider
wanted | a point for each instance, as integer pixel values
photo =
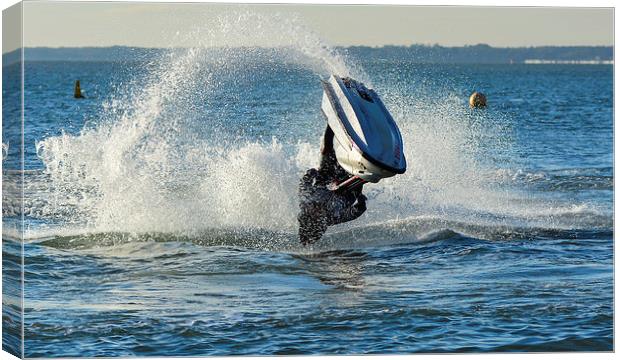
(321, 207)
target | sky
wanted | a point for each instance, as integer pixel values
(57, 24)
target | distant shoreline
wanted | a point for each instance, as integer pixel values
(569, 62)
(471, 54)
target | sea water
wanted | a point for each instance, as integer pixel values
(160, 210)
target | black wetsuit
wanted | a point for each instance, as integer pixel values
(321, 207)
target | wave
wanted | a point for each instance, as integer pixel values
(413, 231)
(563, 179)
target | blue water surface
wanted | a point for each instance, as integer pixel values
(501, 240)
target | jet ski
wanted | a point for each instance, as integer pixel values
(367, 141)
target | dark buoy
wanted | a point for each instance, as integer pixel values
(77, 93)
(477, 100)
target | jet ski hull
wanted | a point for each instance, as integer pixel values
(367, 141)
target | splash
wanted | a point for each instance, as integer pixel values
(162, 156)
(148, 164)
(5, 150)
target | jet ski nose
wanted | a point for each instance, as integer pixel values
(369, 144)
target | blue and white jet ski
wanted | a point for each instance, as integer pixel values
(367, 141)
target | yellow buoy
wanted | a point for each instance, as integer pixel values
(77, 92)
(477, 100)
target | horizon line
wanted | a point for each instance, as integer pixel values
(290, 46)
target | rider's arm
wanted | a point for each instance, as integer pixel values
(352, 212)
